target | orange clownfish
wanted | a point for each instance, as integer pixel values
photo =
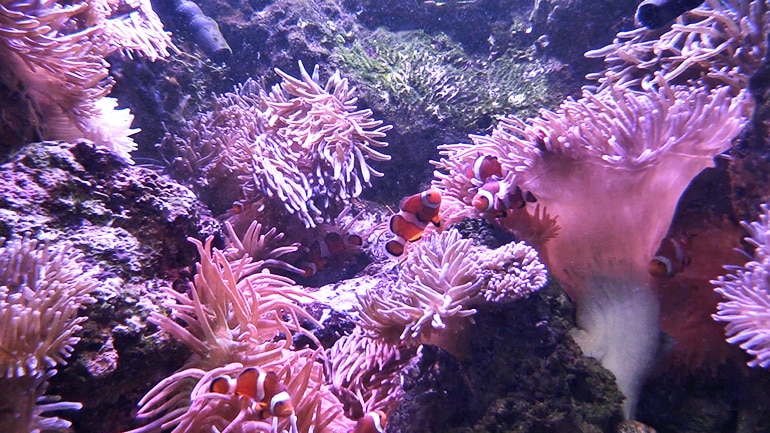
(269, 395)
(415, 212)
(372, 422)
(331, 245)
(238, 207)
(671, 258)
(489, 198)
(484, 168)
(337, 243)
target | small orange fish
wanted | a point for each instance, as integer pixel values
(263, 387)
(415, 212)
(238, 207)
(671, 258)
(493, 196)
(372, 422)
(484, 168)
(331, 245)
(337, 243)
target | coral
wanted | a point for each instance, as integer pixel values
(511, 272)
(433, 91)
(130, 224)
(442, 279)
(525, 375)
(299, 147)
(234, 321)
(126, 217)
(746, 304)
(41, 290)
(54, 55)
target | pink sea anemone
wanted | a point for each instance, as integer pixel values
(746, 293)
(53, 53)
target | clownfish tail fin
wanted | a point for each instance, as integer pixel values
(394, 247)
(222, 385)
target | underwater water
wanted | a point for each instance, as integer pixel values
(395, 216)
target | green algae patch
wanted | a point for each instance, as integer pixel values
(418, 79)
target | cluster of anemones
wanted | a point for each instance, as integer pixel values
(442, 280)
(622, 153)
(238, 321)
(299, 147)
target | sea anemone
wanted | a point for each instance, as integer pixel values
(746, 293)
(300, 147)
(442, 281)
(602, 164)
(42, 288)
(54, 55)
(231, 321)
(363, 372)
(612, 165)
(41, 291)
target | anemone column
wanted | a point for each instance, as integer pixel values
(611, 166)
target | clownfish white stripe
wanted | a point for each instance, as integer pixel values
(412, 219)
(667, 263)
(231, 384)
(281, 397)
(260, 386)
(487, 195)
(678, 250)
(477, 167)
(377, 422)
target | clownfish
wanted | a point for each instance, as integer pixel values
(415, 212)
(331, 245)
(372, 422)
(671, 257)
(269, 395)
(484, 168)
(489, 198)
(238, 207)
(338, 244)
